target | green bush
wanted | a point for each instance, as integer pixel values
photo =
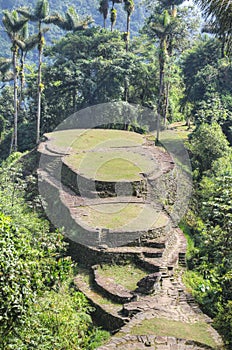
(208, 144)
(223, 322)
(58, 320)
(38, 308)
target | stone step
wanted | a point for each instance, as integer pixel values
(164, 272)
(153, 253)
(149, 264)
(140, 251)
(182, 259)
(152, 243)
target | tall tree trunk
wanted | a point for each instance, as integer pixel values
(104, 23)
(126, 79)
(168, 86)
(128, 32)
(15, 132)
(126, 88)
(22, 80)
(160, 109)
(74, 100)
(223, 44)
(39, 91)
(112, 22)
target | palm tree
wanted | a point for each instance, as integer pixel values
(129, 8)
(71, 21)
(113, 13)
(221, 10)
(172, 5)
(40, 15)
(162, 27)
(219, 15)
(104, 10)
(113, 17)
(25, 43)
(13, 25)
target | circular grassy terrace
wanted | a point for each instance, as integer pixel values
(110, 165)
(77, 140)
(102, 154)
(122, 216)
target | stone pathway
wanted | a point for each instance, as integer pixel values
(153, 342)
(170, 303)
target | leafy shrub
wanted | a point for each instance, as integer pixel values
(38, 309)
(208, 143)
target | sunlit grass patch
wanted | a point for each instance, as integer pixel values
(126, 275)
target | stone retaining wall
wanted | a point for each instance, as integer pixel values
(108, 321)
(108, 288)
(163, 189)
(92, 256)
(91, 188)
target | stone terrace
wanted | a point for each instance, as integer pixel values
(98, 239)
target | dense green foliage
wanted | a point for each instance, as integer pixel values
(35, 291)
(210, 222)
(90, 68)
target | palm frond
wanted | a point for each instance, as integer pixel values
(7, 19)
(31, 42)
(219, 9)
(129, 6)
(104, 8)
(55, 18)
(218, 14)
(24, 31)
(13, 25)
(71, 21)
(5, 64)
(21, 44)
(9, 76)
(158, 29)
(41, 9)
(19, 25)
(27, 12)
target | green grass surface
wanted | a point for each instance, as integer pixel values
(63, 139)
(130, 216)
(83, 140)
(125, 275)
(182, 129)
(97, 297)
(195, 331)
(105, 138)
(105, 155)
(111, 165)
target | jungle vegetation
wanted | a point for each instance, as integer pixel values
(58, 58)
